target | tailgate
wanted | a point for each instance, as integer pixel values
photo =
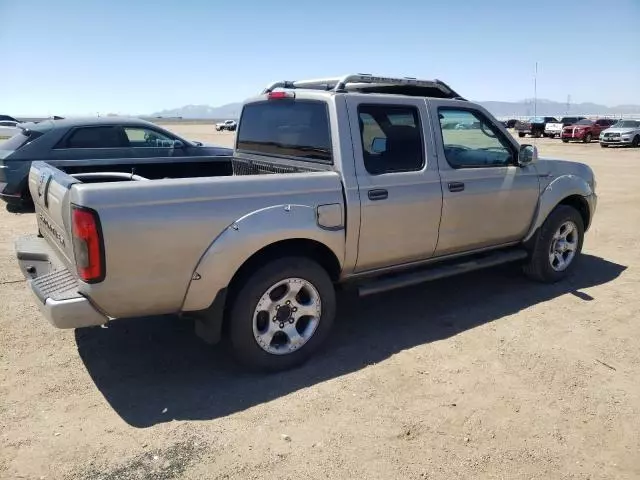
(49, 188)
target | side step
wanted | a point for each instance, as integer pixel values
(440, 271)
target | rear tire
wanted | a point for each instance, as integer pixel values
(520, 134)
(565, 140)
(259, 296)
(541, 267)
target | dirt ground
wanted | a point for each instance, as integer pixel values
(482, 376)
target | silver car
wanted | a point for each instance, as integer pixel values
(625, 132)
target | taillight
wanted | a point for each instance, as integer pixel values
(88, 249)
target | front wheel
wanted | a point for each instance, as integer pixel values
(282, 314)
(636, 141)
(587, 138)
(565, 140)
(604, 145)
(520, 134)
(558, 245)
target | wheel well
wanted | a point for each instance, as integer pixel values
(580, 204)
(292, 247)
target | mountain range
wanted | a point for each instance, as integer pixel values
(522, 108)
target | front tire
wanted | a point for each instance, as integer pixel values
(636, 141)
(603, 145)
(565, 140)
(520, 134)
(587, 138)
(281, 314)
(557, 247)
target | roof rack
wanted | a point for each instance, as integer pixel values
(367, 83)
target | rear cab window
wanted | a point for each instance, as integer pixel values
(286, 128)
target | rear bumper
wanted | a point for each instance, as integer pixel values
(54, 286)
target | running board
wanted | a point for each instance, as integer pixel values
(440, 271)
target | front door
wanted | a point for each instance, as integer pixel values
(488, 200)
(398, 180)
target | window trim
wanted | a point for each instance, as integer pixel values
(494, 129)
(418, 126)
(279, 155)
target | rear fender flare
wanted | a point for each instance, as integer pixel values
(560, 188)
(248, 235)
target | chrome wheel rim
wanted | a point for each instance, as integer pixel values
(564, 245)
(286, 316)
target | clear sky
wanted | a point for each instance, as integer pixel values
(71, 57)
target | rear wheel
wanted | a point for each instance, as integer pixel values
(282, 314)
(521, 134)
(565, 140)
(587, 138)
(558, 245)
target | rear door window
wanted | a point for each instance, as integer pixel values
(289, 128)
(96, 137)
(391, 138)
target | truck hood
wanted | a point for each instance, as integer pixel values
(556, 168)
(620, 130)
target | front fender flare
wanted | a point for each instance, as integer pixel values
(248, 235)
(560, 188)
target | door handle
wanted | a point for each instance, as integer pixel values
(378, 194)
(456, 186)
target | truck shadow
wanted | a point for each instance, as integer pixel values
(145, 367)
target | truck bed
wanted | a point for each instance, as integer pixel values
(162, 228)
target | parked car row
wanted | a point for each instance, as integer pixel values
(608, 131)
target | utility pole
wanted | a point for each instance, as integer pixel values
(535, 92)
(568, 104)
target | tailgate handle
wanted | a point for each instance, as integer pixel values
(378, 194)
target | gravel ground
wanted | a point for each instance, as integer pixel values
(482, 376)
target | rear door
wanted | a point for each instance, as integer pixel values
(488, 200)
(398, 180)
(85, 144)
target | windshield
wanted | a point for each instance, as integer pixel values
(537, 120)
(627, 124)
(584, 122)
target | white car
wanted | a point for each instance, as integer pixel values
(227, 125)
(8, 128)
(554, 129)
(625, 132)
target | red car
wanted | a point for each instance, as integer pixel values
(586, 130)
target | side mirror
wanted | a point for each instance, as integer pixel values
(178, 144)
(379, 145)
(527, 155)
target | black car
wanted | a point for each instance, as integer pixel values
(105, 144)
(533, 126)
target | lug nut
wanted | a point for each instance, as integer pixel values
(288, 302)
(281, 325)
(291, 320)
